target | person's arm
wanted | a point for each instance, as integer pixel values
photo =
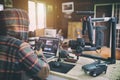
(33, 65)
(44, 71)
(65, 44)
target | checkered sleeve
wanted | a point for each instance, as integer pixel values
(30, 61)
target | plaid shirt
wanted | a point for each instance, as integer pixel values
(16, 21)
(16, 56)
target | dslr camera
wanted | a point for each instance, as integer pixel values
(77, 45)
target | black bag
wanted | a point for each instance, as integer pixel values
(95, 69)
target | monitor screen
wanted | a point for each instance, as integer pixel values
(50, 44)
(50, 32)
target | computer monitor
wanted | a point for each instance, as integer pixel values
(51, 45)
(1, 7)
(50, 32)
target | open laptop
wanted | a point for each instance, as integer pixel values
(50, 46)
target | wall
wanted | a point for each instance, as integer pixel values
(22, 4)
(50, 13)
(106, 1)
(79, 5)
(55, 17)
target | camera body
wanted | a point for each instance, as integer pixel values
(39, 45)
(78, 44)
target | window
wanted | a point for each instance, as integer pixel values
(37, 15)
(117, 15)
(118, 38)
(113, 11)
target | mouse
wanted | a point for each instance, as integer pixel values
(56, 64)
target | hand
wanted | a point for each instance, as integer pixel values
(44, 72)
(39, 52)
(65, 45)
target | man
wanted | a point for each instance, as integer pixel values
(16, 56)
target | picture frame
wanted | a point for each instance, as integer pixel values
(1, 7)
(50, 32)
(8, 3)
(68, 7)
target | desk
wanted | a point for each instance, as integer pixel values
(76, 73)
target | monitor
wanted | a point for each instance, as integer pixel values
(51, 45)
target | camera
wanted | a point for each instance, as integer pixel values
(39, 45)
(78, 44)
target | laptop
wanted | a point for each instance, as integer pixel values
(50, 46)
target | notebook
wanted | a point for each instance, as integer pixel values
(50, 46)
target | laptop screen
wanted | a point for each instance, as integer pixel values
(50, 45)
